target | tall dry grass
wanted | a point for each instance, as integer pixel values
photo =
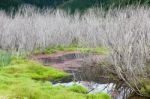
(128, 36)
(30, 29)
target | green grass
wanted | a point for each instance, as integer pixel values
(25, 79)
(78, 89)
(98, 96)
(31, 69)
(26, 88)
(99, 50)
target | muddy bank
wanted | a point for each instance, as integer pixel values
(67, 61)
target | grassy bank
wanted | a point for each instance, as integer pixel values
(26, 79)
(97, 50)
(26, 88)
(31, 69)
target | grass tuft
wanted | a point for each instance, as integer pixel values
(78, 89)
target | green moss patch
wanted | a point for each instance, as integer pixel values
(145, 88)
(31, 69)
(27, 79)
(26, 88)
(99, 50)
(98, 96)
(78, 89)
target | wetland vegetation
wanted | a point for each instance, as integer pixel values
(42, 46)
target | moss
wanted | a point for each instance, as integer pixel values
(98, 96)
(99, 50)
(31, 69)
(78, 89)
(145, 87)
(17, 81)
(26, 88)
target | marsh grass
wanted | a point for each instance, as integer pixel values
(26, 79)
(23, 67)
(97, 50)
(5, 58)
(30, 29)
(22, 87)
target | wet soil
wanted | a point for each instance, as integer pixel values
(67, 61)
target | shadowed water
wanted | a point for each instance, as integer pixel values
(95, 85)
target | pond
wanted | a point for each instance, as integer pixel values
(96, 87)
(63, 58)
(71, 62)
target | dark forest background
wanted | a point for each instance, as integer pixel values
(72, 5)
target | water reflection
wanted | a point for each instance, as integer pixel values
(95, 77)
(93, 87)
